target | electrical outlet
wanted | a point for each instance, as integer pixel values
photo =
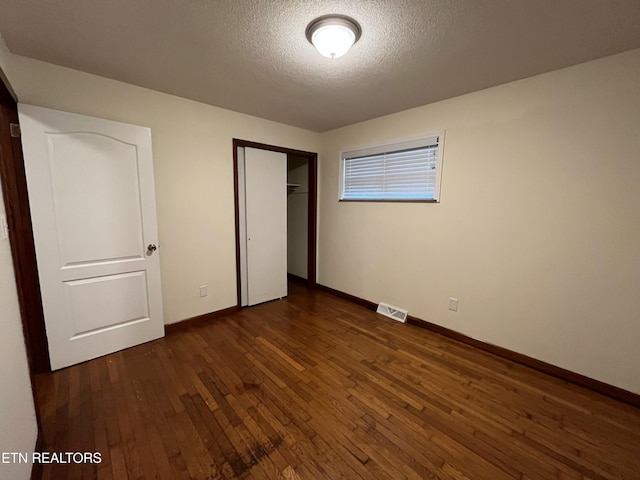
(204, 290)
(453, 304)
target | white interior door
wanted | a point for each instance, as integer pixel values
(265, 192)
(92, 200)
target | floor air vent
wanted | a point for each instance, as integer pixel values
(392, 312)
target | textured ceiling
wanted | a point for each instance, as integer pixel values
(252, 56)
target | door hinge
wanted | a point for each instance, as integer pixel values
(15, 130)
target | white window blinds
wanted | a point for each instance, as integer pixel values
(402, 171)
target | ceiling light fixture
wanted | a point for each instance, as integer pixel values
(333, 35)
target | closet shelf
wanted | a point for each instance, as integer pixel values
(291, 187)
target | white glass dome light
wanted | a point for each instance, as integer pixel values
(333, 35)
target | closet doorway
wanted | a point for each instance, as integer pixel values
(298, 205)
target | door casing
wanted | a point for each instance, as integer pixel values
(16, 199)
(312, 207)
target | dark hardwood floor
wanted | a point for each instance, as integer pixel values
(315, 387)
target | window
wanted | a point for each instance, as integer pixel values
(406, 171)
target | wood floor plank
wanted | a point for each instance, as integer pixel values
(315, 387)
(193, 450)
(289, 473)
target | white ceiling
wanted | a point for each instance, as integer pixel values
(252, 56)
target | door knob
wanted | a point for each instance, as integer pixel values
(152, 247)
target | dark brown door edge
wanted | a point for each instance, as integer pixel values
(16, 200)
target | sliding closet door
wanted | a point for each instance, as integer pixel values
(265, 175)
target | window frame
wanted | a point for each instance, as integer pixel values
(390, 147)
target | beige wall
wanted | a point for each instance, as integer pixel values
(537, 233)
(192, 147)
(18, 429)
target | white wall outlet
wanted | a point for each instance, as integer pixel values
(204, 290)
(453, 304)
